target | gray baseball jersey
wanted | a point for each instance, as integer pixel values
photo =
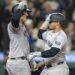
(19, 45)
(58, 40)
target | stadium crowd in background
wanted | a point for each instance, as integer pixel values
(40, 10)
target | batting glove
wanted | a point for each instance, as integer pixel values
(46, 23)
(33, 54)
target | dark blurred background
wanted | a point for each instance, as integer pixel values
(40, 10)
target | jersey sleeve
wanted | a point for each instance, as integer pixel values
(60, 42)
(44, 35)
(12, 29)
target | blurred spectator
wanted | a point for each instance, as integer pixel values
(70, 10)
(46, 10)
(15, 2)
(38, 42)
(30, 5)
(0, 37)
(70, 33)
(63, 4)
(29, 25)
(33, 9)
(5, 18)
(39, 3)
(8, 5)
(73, 44)
(8, 2)
(55, 5)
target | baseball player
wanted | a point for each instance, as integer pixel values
(17, 63)
(54, 57)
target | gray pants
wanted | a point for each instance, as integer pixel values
(18, 67)
(56, 70)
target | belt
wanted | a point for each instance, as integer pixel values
(23, 57)
(50, 65)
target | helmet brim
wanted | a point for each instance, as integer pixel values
(28, 10)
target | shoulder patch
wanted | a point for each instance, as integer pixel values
(57, 43)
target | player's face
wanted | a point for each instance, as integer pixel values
(53, 25)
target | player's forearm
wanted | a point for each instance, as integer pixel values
(15, 18)
(15, 23)
(44, 26)
(48, 53)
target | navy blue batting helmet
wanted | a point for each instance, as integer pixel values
(58, 17)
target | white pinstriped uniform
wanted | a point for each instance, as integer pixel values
(57, 40)
(19, 46)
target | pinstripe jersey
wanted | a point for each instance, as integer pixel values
(57, 40)
(19, 44)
